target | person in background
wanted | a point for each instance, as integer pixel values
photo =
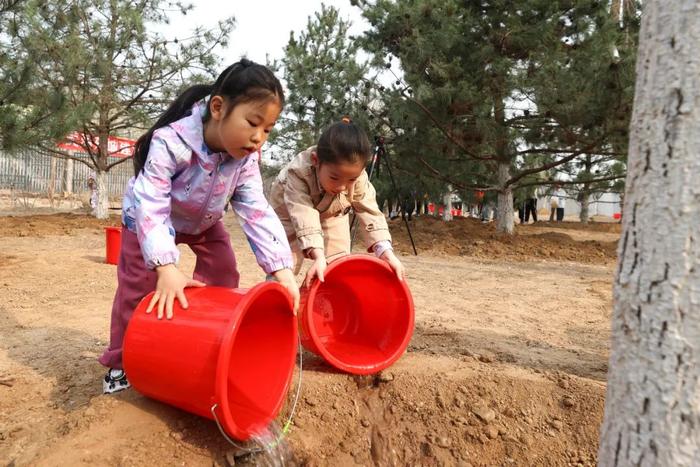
(561, 196)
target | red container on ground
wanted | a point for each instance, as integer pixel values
(231, 353)
(361, 318)
(113, 242)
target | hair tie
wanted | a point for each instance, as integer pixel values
(346, 119)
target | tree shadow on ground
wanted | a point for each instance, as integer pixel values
(514, 350)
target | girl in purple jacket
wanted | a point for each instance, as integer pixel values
(201, 154)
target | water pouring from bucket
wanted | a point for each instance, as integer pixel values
(361, 318)
(228, 357)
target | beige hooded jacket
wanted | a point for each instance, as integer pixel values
(313, 218)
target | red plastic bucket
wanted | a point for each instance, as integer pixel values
(360, 320)
(113, 241)
(230, 355)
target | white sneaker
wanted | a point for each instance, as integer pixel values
(114, 381)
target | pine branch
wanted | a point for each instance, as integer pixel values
(53, 152)
(560, 151)
(550, 165)
(571, 182)
(445, 132)
(437, 175)
(120, 161)
(8, 5)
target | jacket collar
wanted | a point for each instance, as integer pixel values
(190, 129)
(312, 168)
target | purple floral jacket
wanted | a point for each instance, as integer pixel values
(184, 188)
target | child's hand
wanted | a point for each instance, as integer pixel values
(395, 264)
(171, 284)
(288, 280)
(318, 268)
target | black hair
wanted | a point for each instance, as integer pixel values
(244, 81)
(343, 142)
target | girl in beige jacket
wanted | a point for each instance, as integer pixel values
(315, 192)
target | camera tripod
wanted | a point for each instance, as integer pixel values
(379, 152)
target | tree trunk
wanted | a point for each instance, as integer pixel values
(447, 201)
(51, 185)
(101, 210)
(67, 176)
(585, 200)
(652, 411)
(505, 221)
(616, 10)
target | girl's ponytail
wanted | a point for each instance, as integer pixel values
(175, 112)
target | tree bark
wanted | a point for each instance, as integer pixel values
(51, 186)
(585, 200)
(505, 221)
(67, 176)
(101, 210)
(447, 201)
(652, 412)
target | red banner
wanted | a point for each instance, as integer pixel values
(117, 147)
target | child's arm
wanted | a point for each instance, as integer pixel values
(262, 227)
(306, 221)
(373, 226)
(152, 205)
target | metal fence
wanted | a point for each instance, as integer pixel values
(32, 171)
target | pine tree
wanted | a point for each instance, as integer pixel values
(109, 72)
(323, 75)
(29, 109)
(500, 83)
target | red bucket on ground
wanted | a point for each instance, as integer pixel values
(113, 237)
(230, 355)
(360, 320)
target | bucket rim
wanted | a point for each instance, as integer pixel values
(311, 326)
(224, 359)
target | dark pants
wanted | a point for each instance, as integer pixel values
(407, 209)
(216, 265)
(531, 209)
(560, 214)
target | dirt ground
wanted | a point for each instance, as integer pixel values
(506, 367)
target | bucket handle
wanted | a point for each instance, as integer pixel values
(223, 433)
(285, 428)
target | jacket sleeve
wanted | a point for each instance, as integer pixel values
(152, 205)
(259, 221)
(373, 224)
(305, 218)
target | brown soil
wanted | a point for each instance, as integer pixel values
(51, 224)
(469, 237)
(506, 367)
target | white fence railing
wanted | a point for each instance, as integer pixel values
(35, 172)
